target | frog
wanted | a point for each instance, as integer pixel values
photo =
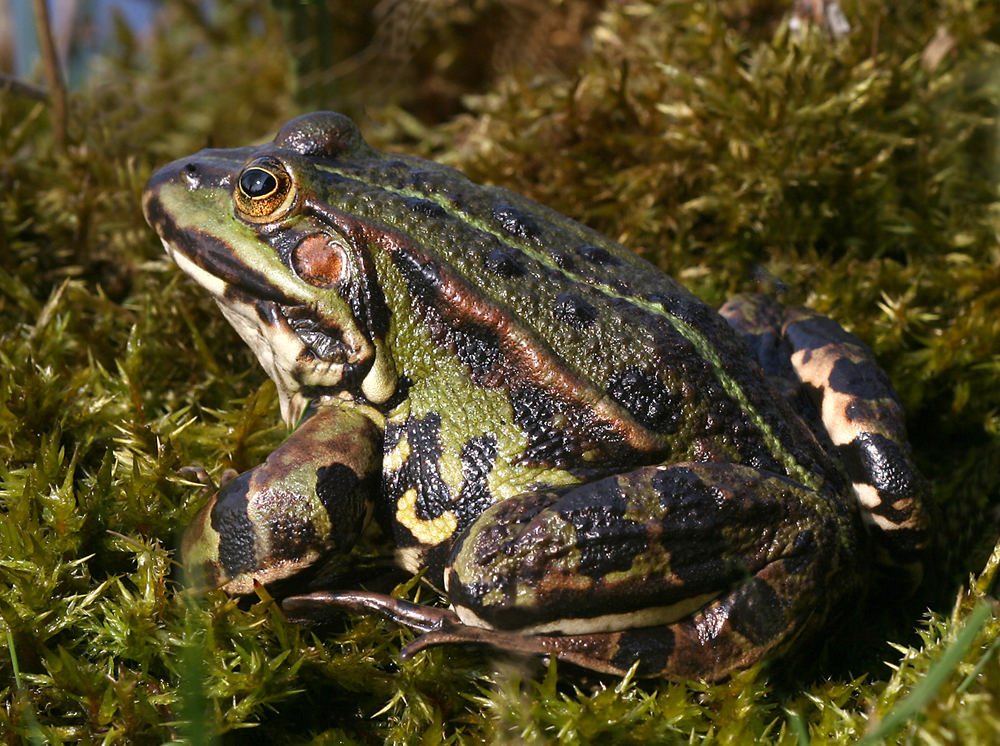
(586, 461)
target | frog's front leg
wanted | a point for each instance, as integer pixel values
(691, 569)
(309, 499)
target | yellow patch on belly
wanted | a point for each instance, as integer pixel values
(432, 531)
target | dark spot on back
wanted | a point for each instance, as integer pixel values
(424, 207)
(686, 307)
(419, 179)
(534, 410)
(422, 277)
(645, 397)
(515, 222)
(563, 260)
(478, 348)
(597, 255)
(501, 263)
(573, 311)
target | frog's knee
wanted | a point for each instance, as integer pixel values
(495, 564)
(759, 320)
(560, 562)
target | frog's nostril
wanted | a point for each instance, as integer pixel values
(190, 174)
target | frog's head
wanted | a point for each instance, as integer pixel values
(251, 227)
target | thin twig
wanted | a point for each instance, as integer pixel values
(53, 74)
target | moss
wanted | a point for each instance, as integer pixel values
(853, 175)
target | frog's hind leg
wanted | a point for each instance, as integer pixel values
(860, 413)
(690, 569)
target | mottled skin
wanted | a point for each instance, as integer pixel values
(585, 458)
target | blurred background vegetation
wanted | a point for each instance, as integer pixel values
(855, 171)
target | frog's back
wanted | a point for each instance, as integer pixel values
(606, 361)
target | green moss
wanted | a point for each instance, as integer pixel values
(850, 175)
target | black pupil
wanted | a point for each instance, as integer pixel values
(256, 182)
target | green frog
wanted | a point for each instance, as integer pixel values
(582, 457)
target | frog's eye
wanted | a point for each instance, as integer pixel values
(264, 191)
(258, 183)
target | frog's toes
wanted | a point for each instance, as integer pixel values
(318, 606)
(198, 474)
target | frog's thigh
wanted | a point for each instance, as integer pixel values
(721, 564)
(309, 498)
(859, 408)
